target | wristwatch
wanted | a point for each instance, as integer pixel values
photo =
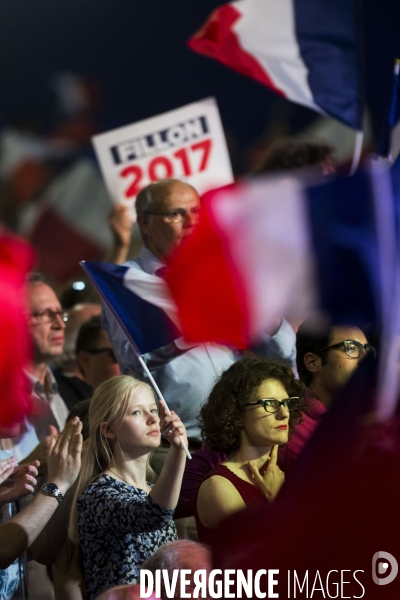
(50, 489)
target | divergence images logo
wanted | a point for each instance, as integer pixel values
(385, 559)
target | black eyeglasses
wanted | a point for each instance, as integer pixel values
(45, 316)
(110, 352)
(352, 348)
(177, 215)
(273, 406)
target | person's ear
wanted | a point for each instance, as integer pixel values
(312, 362)
(82, 360)
(142, 221)
(107, 430)
(238, 421)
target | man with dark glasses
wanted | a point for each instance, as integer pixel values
(326, 362)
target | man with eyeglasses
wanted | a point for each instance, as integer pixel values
(46, 321)
(46, 324)
(325, 362)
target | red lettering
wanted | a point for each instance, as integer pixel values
(165, 163)
(137, 174)
(182, 155)
(205, 147)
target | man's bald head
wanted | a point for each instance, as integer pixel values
(167, 211)
(148, 199)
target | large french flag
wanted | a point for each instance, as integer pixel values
(281, 246)
(308, 51)
(274, 246)
(140, 302)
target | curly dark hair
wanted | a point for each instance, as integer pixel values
(219, 416)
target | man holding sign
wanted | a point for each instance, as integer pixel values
(167, 212)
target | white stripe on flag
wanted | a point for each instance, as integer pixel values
(271, 213)
(267, 31)
(153, 289)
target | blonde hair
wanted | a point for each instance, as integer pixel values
(109, 404)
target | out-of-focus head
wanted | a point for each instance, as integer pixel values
(79, 291)
(167, 212)
(226, 421)
(182, 554)
(130, 591)
(46, 320)
(77, 315)
(327, 359)
(94, 353)
(296, 154)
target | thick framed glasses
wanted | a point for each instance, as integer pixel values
(271, 405)
(109, 351)
(178, 215)
(352, 348)
(45, 316)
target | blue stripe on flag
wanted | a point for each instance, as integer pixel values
(329, 36)
(148, 326)
(343, 234)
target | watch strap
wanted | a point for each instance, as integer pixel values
(50, 489)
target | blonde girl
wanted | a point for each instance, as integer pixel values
(119, 518)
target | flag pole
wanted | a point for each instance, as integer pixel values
(132, 344)
(393, 106)
(357, 151)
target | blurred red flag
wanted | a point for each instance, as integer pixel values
(16, 260)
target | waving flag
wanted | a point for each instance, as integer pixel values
(140, 302)
(308, 51)
(281, 246)
(273, 246)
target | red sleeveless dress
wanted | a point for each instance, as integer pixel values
(251, 496)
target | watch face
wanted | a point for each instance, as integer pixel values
(50, 488)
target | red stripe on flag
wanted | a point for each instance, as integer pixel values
(207, 287)
(218, 40)
(16, 259)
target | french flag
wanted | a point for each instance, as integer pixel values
(140, 302)
(276, 246)
(308, 51)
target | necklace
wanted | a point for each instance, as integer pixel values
(119, 477)
(124, 480)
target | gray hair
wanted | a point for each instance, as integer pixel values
(149, 196)
(36, 277)
(170, 556)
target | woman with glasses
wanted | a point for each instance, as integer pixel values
(248, 415)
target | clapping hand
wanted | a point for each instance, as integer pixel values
(20, 482)
(7, 468)
(64, 455)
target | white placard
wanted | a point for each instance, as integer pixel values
(187, 144)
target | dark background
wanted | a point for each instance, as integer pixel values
(136, 51)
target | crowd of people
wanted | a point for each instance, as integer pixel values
(94, 482)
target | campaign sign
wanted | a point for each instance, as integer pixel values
(187, 144)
